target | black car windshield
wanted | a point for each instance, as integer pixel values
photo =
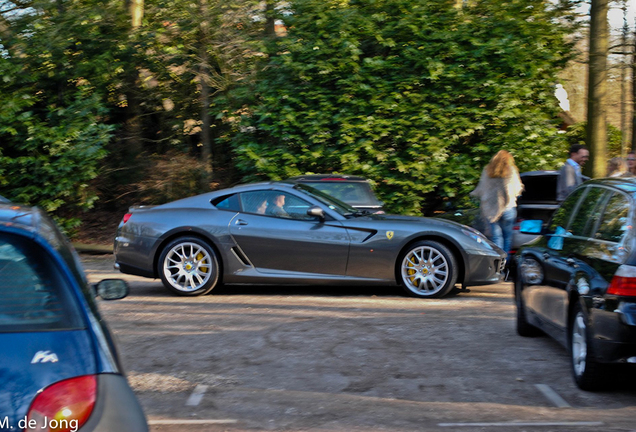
(334, 204)
(354, 193)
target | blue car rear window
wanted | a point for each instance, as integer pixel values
(34, 294)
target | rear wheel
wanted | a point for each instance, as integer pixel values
(588, 374)
(428, 269)
(188, 266)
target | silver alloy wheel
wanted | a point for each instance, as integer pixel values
(532, 271)
(187, 266)
(579, 344)
(425, 270)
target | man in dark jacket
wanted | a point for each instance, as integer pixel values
(570, 173)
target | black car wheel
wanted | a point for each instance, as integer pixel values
(428, 269)
(188, 266)
(531, 271)
(588, 374)
(524, 328)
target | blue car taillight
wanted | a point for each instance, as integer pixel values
(64, 406)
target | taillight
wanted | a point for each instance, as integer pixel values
(517, 224)
(624, 282)
(126, 217)
(64, 406)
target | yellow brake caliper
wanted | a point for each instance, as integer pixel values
(204, 268)
(411, 272)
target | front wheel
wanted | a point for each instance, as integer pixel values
(524, 328)
(188, 266)
(428, 269)
(587, 373)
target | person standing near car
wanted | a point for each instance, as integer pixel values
(498, 189)
(570, 173)
(631, 163)
(617, 167)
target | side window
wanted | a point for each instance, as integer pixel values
(588, 212)
(34, 294)
(297, 208)
(273, 203)
(255, 202)
(563, 214)
(615, 221)
(277, 204)
(228, 202)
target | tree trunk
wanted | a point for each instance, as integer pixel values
(132, 126)
(136, 13)
(597, 88)
(624, 84)
(270, 18)
(633, 67)
(204, 72)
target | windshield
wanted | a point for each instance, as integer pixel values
(334, 204)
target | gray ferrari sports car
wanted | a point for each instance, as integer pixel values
(287, 232)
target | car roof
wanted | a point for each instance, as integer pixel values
(328, 177)
(202, 200)
(18, 216)
(30, 221)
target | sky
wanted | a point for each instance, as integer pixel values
(615, 15)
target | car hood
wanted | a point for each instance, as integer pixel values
(33, 361)
(469, 237)
(413, 219)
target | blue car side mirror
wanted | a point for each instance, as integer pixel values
(531, 227)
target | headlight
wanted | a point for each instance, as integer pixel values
(477, 236)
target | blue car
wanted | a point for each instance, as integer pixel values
(59, 369)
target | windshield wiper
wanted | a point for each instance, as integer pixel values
(359, 213)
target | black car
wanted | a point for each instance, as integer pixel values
(353, 190)
(59, 367)
(577, 281)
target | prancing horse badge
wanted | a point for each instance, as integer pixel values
(389, 235)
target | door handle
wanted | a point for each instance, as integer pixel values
(546, 255)
(571, 262)
(240, 222)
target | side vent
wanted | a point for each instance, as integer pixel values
(238, 253)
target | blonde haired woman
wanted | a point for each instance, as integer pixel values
(498, 189)
(617, 167)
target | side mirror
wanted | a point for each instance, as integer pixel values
(112, 289)
(316, 211)
(531, 226)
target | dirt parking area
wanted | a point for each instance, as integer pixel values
(347, 359)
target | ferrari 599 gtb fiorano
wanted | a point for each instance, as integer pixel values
(289, 232)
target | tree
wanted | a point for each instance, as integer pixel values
(56, 67)
(415, 95)
(597, 90)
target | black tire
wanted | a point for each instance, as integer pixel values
(188, 266)
(587, 373)
(524, 328)
(427, 269)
